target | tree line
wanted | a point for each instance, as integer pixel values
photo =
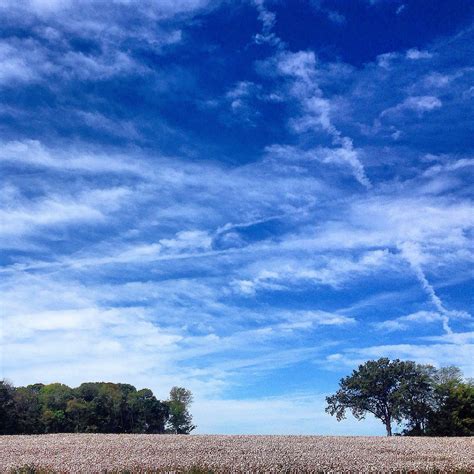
(93, 407)
(422, 400)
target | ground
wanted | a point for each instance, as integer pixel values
(94, 453)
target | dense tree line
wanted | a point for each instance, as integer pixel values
(423, 400)
(92, 408)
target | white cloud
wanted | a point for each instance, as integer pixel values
(348, 155)
(22, 62)
(402, 323)
(86, 67)
(268, 20)
(301, 66)
(128, 322)
(421, 104)
(418, 104)
(282, 274)
(386, 60)
(316, 110)
(34, 153)
(66, 343)
(162, 10)
(171, 332)
(322, 318)
(186, 240)
(241, 89)
(415, 257)
(435, 223)
(393, 219)
(449, 166)
(417, 54)
(23, 217)
(28, 60)
(438, 80)
(47, 56)
(438, 355)
(242, 97)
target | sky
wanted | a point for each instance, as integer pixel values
(244, 198)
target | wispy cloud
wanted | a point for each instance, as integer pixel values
(316, 111)
(417, 54)
(402, 323)
(417, 104)
(268, 20)
(435, 354)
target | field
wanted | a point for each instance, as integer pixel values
(94, 453)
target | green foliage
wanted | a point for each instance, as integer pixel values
(91, 407)
(416, 399)
(454, 409)
(53, 400)
(7, 407)
(180, 420)
(425, 400)
(27, 411)
(378, 387)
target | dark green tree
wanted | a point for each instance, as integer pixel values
(27, 411)
(55, 396)
(427, 401)
(386, 389)
(180, 420)
(79, 414)
(453, 413)
(53, 399)
(149, 414)
(7, 408)
(416, 397)
(109, 408)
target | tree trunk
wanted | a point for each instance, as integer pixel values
(388, 427)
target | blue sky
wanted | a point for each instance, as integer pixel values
(244, 198)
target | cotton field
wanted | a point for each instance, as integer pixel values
(94, 453)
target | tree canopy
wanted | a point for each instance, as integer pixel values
(453, 413)
(180, 420)
(422, 399)
(93, 407)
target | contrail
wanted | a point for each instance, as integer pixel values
(412, 253)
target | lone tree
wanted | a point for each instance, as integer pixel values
(180, 420)
(390, 390)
